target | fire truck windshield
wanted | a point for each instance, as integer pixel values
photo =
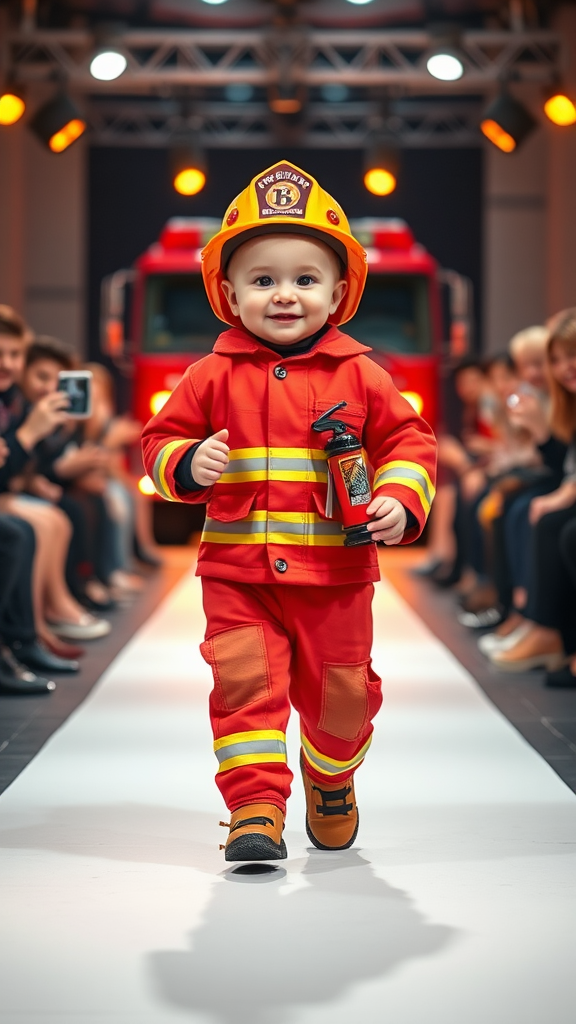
(178, 317)
(394, 314)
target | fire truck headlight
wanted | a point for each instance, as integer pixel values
(146, 485)
(158, 401)
(414, 399)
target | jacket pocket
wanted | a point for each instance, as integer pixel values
(319, 502)
(227, 508)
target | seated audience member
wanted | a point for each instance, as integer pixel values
(16, 618)
(66, 471)
(458, 459)
(550, 612)
(58, 615)
(532, 475)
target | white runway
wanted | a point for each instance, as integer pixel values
(458, 905)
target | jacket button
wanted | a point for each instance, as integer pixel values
(280, 565)
(280, 372)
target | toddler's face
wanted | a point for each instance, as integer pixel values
(283, 287)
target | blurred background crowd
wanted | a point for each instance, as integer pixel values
(74, 528)
(503, 526)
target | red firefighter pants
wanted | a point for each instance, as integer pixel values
(270, 647)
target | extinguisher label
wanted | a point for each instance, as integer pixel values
(355, 476)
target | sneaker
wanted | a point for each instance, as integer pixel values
(88, 628)
(481, 619)
(255, 833)
(530, 652)
(331, 813)
(491, 642)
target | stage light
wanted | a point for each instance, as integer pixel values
(158, 401)
(12, 106)
(359, 3)
(506, 122)
(188, 166)
(381, 167)
(414, 399)
(214, 2)
(286, 98)
(58, 123)
(445, 66)
(108, 65)
(146, 485)
(560, 109)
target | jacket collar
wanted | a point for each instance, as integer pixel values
(334, 343)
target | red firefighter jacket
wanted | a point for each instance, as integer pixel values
(266, 518)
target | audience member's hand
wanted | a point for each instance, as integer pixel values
(43, 419)
(564, 497)
(527, 413)
(76, 461)
(389, 519)
(122, 432)
(43, 488)
(472, 483)
(210, 459)
(4, 451)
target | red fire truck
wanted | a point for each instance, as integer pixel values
(403, 315)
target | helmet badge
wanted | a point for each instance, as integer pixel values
(284, 191)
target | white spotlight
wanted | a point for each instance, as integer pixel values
(108, 65)
(214, 2)
(358, 2)
(445, 66)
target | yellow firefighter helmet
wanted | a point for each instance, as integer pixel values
(284, 198)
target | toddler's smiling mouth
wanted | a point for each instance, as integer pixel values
(285, 317)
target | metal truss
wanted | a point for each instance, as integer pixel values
(215, 58)
(250, 125)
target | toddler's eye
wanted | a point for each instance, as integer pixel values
(304, 280)
(264, 281)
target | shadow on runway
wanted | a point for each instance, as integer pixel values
(265, 949)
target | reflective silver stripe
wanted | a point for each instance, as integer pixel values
(331, 769)
(304, 529)
(156, 476)
(250, 747)
(276, 465)
(411, 474)
(239, 526)
(298, 465)
(276, 525)
(246, 466)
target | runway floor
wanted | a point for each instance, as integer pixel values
(457, 906)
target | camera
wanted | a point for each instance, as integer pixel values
(77, 385)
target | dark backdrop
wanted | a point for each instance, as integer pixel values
(131, 197)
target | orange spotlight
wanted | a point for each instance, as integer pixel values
(497, 135)
(58, 123)
(146, 485)
(67, 135)
(12, 107)
(415, 400)
(381, 165)
(560, 109)
(158, 401)
(379, 181)
(189, 181)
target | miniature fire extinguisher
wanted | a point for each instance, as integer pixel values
(348, 475)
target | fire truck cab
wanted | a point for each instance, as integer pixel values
(402, 316)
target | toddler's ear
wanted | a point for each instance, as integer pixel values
(228, 289)
(338, 294)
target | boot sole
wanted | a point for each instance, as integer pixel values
(255, 846)
(320, 846)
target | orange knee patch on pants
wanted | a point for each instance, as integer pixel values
(239, 664)
(345, 709)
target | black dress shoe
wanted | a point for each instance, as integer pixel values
(16, 679)
(35, 656)
(561, 679)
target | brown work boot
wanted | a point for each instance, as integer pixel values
(331, 813)
(255, 833)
